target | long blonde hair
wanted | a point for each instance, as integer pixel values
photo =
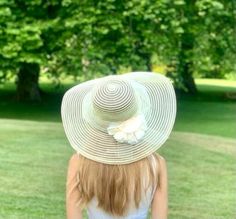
(114, 186)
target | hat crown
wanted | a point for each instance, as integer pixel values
(114, 99)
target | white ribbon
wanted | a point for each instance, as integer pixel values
(130, 131)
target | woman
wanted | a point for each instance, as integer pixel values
(116, 124)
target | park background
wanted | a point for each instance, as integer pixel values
(48, 46)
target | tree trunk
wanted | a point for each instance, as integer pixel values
(27, 82)
(185, 64)
(187, 40)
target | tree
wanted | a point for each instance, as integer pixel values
(88, 38)
(113, 34)
(202, 40)
(29, 35)
(217, 48)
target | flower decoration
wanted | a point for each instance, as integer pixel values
(130, 131)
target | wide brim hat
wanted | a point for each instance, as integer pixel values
(89, 108)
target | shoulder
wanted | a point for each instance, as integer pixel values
(73, 161)
(161, 171)
(160, 159)
(72, 169)
(162, 163)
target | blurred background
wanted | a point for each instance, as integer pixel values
(48, 46)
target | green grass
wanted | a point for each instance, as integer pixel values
(215, 84)
(46, 110)
(33, 172)
(200, 155)
(207, 117)
(210, 112)
(201, 176)
(34, 157)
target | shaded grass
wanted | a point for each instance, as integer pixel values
(209, 112)
(46, 110)
(34, 158)
(207, 117)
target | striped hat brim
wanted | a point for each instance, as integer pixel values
(94, 143)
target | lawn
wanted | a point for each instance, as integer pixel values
(200, 155)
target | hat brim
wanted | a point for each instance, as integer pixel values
(98, 145)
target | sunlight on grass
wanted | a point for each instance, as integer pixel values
(216, 85)
(216, 82)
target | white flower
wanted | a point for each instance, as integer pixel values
(130, 131)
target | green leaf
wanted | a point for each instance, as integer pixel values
(217, 5)
(179, 2)
(179, 30)
(10, 50)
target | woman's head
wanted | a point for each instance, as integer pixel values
(115, 186)
(119, 119)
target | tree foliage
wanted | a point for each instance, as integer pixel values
(87, 38)
(28, 32)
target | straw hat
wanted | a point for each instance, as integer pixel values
(119, 119)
